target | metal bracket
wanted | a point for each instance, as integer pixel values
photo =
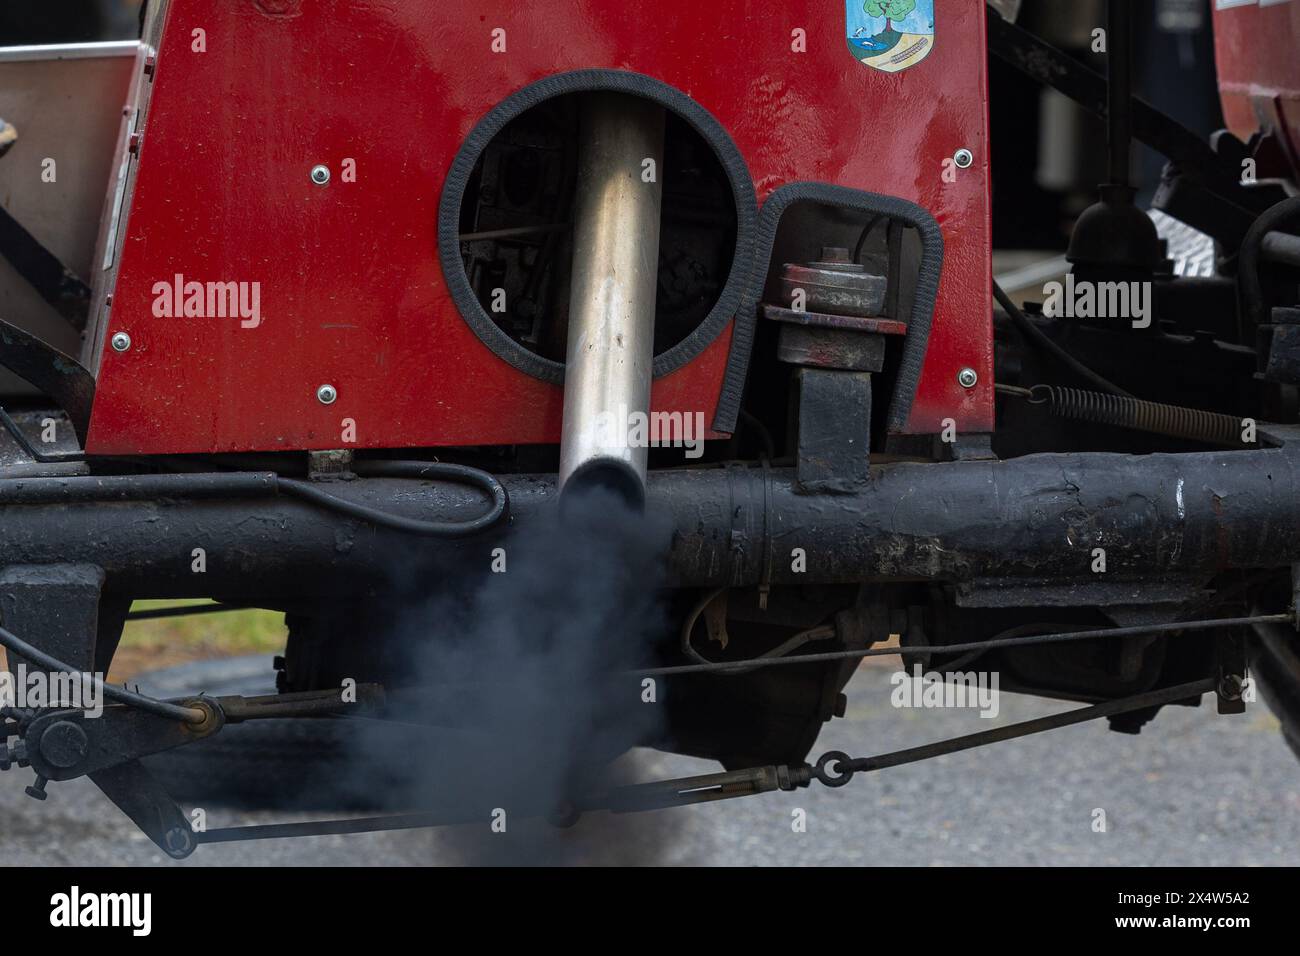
(58, 607)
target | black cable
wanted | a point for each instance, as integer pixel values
(46, 490)
(161, 708)
(1038, 337)
(1253, 312)
(460, 474)
(968, 646)
(836, 768)
(862, 238)
(764, 436)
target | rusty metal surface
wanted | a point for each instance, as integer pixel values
(851, 322)
(837, 288)
(831, 348)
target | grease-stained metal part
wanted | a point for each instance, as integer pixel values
(851, 323)
(610, 355)
(834, 284)
(1031, 520)
(838, 345)
(66, 744)
(63, 743)
(302, 704)
(833, 454)
(830, 316)
(329, 463)
(831, 348)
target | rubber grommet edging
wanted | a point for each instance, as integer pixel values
(581, 81)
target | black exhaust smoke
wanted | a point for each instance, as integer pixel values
(520, 684)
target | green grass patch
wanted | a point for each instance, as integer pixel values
(224, 632)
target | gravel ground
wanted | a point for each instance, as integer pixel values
(1193, 789)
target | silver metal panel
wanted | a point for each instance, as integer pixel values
(66, 102)
(69, 51)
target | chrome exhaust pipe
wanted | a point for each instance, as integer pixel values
(610, 349)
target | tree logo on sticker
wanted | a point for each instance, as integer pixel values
(890, 35)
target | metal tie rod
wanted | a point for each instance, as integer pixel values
(683, 791)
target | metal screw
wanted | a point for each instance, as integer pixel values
(963, 158)
(326, 394)
(320, 175)
(967, 378)
(120, 341)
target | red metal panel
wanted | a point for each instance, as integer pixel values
(351, 290)
(1257, 51)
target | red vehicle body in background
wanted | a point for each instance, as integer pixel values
(352, 291)
(1255, 46)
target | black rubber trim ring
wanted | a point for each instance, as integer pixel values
(917, 339)
(581, 81)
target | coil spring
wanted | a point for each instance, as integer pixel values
(1173, 421)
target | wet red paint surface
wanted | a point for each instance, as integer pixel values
(352, 292)
(1257, 53)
